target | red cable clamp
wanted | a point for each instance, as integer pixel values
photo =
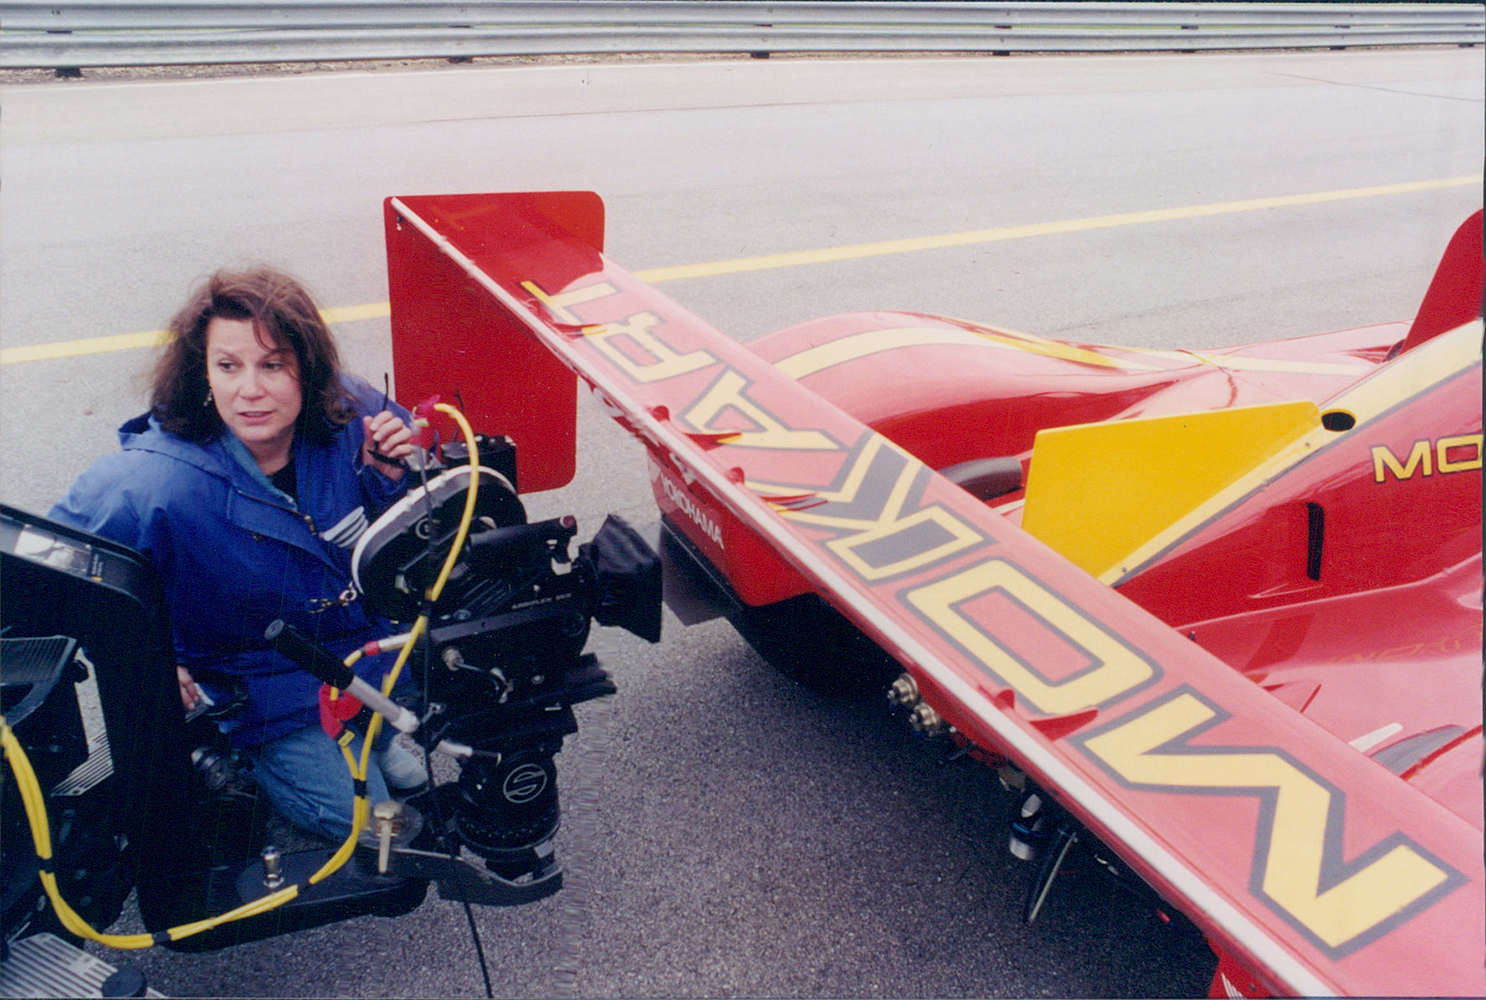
(336, 711)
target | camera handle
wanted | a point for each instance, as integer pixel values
(306, 653)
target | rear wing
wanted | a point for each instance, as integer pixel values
(1316, 867)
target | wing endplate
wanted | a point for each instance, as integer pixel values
(1317, 867)
(442, 320)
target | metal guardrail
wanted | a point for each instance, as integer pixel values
(77, 33)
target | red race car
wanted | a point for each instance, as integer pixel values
(1215, 613)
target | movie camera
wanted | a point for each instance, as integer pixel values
(140, 796)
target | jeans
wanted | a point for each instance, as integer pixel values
(306, 778)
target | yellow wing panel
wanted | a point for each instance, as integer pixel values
(1097, 492)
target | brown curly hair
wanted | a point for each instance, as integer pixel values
(281, 311)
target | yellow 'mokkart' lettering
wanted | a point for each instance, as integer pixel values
(1383, 460)
(558, 304)
(874, 506)
(643, 356)
(1451, 446)
(629, 343)
(730, 394)
(1429, 457)
(1298, 869)
(1112, 669)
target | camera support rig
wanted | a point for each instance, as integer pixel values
(496, 676)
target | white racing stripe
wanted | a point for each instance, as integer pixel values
(347, 530)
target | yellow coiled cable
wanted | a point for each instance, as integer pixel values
(359, 772)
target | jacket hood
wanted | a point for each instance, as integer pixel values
(144, 433)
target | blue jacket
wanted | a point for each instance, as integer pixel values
(233, 553)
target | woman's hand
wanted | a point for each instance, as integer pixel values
(388, 437)
(190, 693)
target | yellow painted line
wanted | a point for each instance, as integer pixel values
(655, 276)
(153, 338)
(350, 314)
(72, 348)
(1038, 229)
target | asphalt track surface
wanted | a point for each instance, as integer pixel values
(729, 833)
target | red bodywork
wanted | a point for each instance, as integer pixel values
(1275, 719)
(1390, 635)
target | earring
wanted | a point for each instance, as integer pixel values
(208, 400)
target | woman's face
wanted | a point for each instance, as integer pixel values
(255, 386)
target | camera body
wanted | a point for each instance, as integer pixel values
(503, 662)
(89, 688)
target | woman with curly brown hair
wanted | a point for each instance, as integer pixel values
(246, 485)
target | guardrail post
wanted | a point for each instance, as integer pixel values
(760, 55)
(66, 72)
